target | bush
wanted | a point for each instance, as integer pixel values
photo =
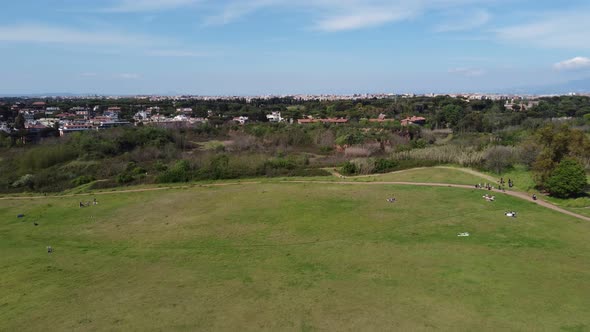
(125, 178)
(81, 180)
(385, 165)
(181, 172)
(349, 168)
(567, 180)
(25, 181)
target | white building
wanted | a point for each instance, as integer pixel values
(141, 116)
(184, 110)
(274, 117)
(241, 120)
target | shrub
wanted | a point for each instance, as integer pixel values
(81, 180)
(125, 178)
(364, 166)
(567, 180)
(385, 165)
(181, 172)
(25, 181)
(349, 168)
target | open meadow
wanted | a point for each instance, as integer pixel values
(292, 256)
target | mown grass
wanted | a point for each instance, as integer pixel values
(427, 175)
(275, 256)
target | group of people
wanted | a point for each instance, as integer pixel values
(94, 202)
(489, 186)
(391, 200)
(510, 182)
(511, 214)
(486, 186)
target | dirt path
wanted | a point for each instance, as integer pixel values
(520, 195)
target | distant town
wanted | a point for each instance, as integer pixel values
(42, 113)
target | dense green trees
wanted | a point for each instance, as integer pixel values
(560, 148)
(568, 179)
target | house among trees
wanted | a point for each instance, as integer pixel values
(240, 120)
(71, 128)
(414, 120)
(39, 105)
(113, 112)
(329, 120)
(274, 117)
(186, 110)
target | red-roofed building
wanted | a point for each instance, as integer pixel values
(306, 121)
(329, 120)
(334, 120)
(416, 120)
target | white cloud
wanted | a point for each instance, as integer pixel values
(342, 15)
(52, 34)
(129, 6)
(465, 21)
(360, 20)
(573, 64)
(564, 30)
(469, 72)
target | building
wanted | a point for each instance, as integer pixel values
(34, 127)
(329, 120)
(113, 112)
(52, 110)
(73, 128)
(414, 120)
(28, 114)
(186, 110)
(49, 122)
(39, 105)
(274, 117)
(240, 120)
(113, 124)
(141, 116)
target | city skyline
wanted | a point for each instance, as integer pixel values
(277, 47)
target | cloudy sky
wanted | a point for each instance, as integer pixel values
(287, 46)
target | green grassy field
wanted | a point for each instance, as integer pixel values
(306, 257)
(427, 175)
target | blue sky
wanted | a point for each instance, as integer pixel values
(214, 47)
